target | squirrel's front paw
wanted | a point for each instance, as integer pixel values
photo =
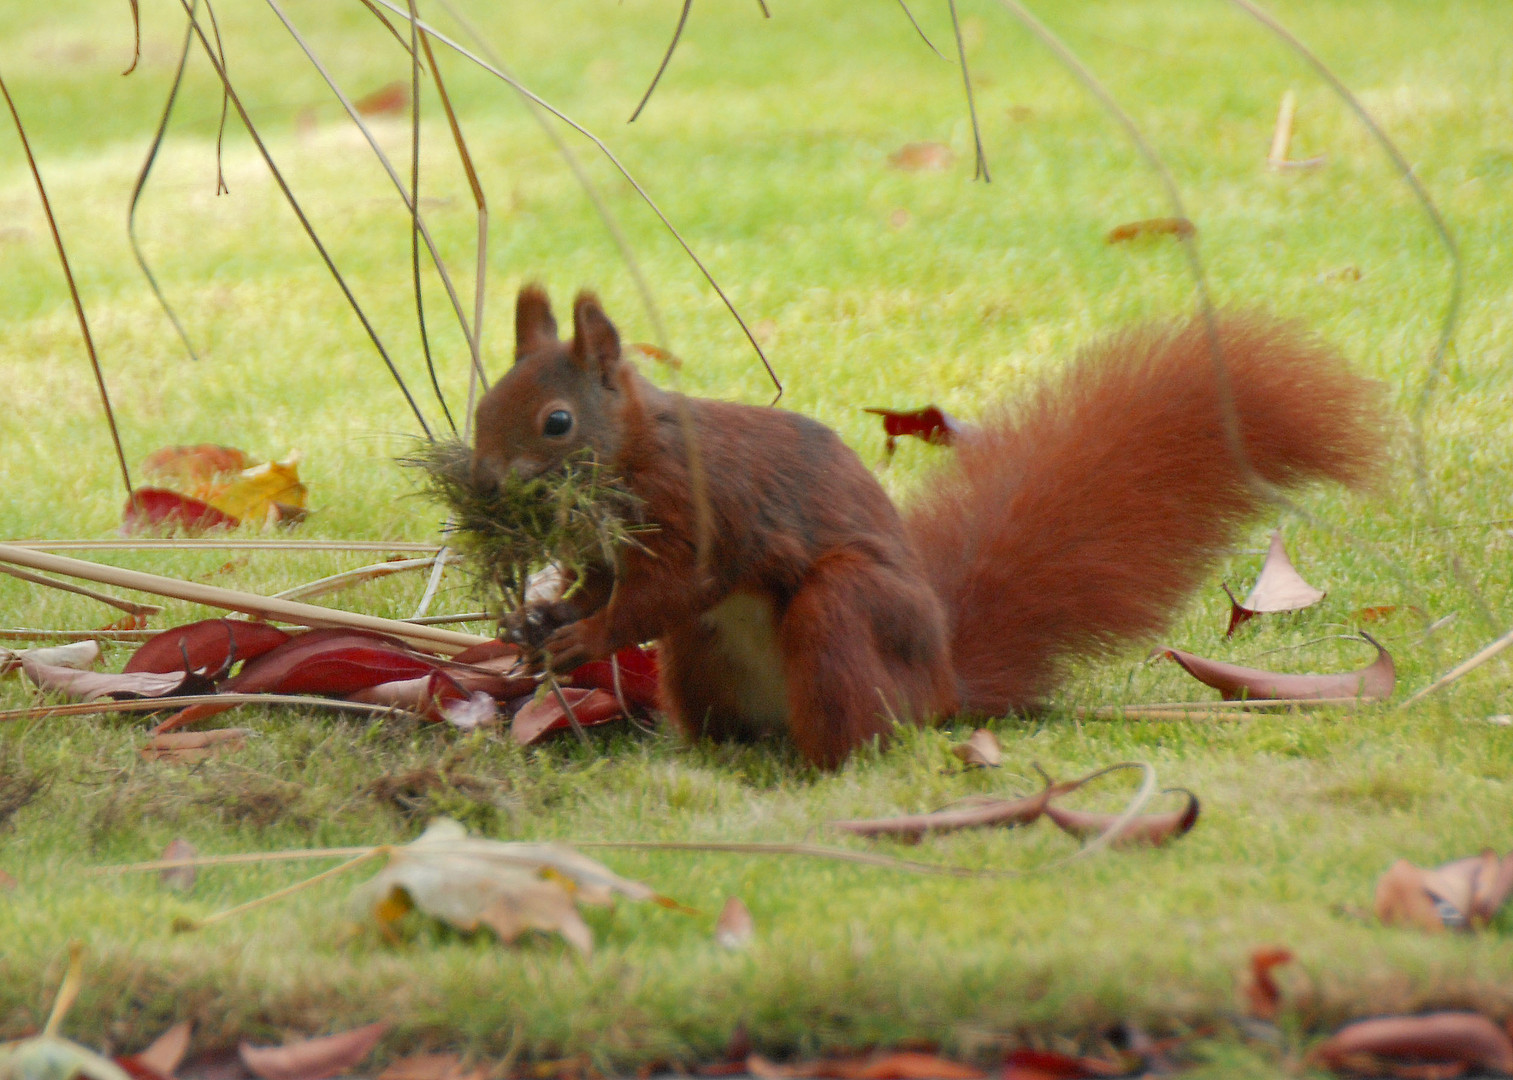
(577, 644)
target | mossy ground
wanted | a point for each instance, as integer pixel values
(767, 144)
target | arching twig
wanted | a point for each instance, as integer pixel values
(299, 213)
(677, 33)
(981, 170)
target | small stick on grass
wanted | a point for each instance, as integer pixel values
(1281, 137)
(337, 582)
(1459, 670)
(217, 544)
(163, 704)
(105, 598)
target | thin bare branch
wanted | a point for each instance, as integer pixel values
(73, 292)
(981, 171)
(93, 708)
(383, 159)
(141, 183)
(225, 544)
(220, 129)
(299, 213)
(677, 34)
(520, 89)
(359, 576)
(136, 30)
(920, 30)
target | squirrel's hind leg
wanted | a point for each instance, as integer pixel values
(863, 643)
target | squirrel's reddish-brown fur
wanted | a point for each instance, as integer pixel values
(794, 598)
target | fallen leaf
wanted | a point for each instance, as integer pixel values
(1161, 226)
(192, 468)
(182, 879)
(433, 1067)
(167, 1051)
(1374, 681)
(313, 1059)
(387, 100)
(657, 353)
(1467, 1040)
(470, 881)
(735, 928)
(981, 749)
(1279, 587)
(160, 510)
(8, 883)
(436, 696)
(931, 423)
(1050, 1065)
(207, 645)
(638, 676)
(79, 655)
(1263, 997)
(1465, 894)
(544, 714)
(901, 1065)
(922, 157)
(1152, 829)
(260, 492)
(188, 747)
(98, 685)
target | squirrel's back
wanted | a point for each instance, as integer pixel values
(1082, 517)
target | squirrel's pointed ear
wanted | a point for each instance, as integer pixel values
(596, 343)
(534, 325)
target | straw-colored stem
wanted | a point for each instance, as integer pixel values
(446, 641)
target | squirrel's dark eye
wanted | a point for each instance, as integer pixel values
(558, 424)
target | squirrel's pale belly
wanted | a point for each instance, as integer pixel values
(746, 637)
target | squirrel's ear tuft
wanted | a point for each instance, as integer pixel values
(534, 325)
(596, 343)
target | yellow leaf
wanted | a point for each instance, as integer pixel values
(252, 494)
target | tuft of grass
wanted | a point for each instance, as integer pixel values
(574, 516)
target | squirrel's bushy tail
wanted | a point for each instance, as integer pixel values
(1082, 518)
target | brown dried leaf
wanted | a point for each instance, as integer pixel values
(167, 1051)
(1233, 681)
(1161, 226)
(1280, 587)
(188, 747)
(388, 100)
(313, 1059)
(922, 157)
(469, 881)
(79, 655)
(8, 883)
(1152, 829)
(1263, 997)
(1468, 1040)
(432, 1067)
(900, 1065)
(735, 927)
(182, 879)
(98, 685)
(1464, 894)
(911, 827)
(982, 749)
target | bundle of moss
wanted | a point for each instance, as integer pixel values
(574, 516)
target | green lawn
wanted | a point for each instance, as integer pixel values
(767, 144)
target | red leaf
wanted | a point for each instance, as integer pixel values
(638, 676)
(493, 649)
(1153, 829)
(1049, 1065)
(389, 98)
(208, 644)
(313, 1059)
(1263, 997)
(1468, 1040)
(153, 509)
(193, 466)
(1233, 681)
(545, 713)
(931, 424)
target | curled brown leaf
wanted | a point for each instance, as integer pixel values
(313, 1059)
(1467, 1040)
(1233, 681)
(1152, 829)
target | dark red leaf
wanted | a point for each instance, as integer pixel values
(493, 649)
(208, 644)
(931, 424)
(638, 676)
(545, 714)
(1376, 680)
(1468, 1040)
(1263, 997)
(155, 509)
(1049, 1065)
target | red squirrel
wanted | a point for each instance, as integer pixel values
(1069, 523)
